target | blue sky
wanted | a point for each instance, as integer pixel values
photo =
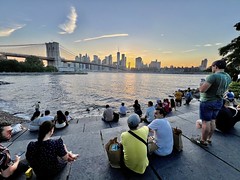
(175, 32)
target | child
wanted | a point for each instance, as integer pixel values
(69, 118)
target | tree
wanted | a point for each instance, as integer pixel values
(34, 64)
(231, 53)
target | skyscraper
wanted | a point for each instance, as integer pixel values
(203, 65)
(138, 63)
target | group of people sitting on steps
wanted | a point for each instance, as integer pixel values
(135, 159)
(46, 156)
(167, 106)
(60, 120)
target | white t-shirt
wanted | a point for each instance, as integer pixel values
(150, 113)
(163, 135)
(36, 123)
(45, 118)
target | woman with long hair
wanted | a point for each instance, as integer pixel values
(48, 156)
(137, 108)
(60, 120)
(34, 124)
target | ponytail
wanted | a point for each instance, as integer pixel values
(45, 128)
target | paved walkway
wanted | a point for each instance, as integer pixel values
(87, 137)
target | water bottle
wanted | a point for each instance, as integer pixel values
(114, 147)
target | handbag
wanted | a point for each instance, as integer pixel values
(151, 145)
(177, 139)
(114, 153)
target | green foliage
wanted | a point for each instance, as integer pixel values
(50, 69)
(31, 64)
(34, 64)
(231, 53)
(235, 87)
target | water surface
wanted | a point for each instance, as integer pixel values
(76, 93)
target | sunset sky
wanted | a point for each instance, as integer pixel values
(175, 32)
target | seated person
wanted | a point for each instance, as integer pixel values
(163, 134)
(149, 117)
(60, 120)
(35, 124)
(137, 108)
(135, 151)
(167, 106)
(69, 118)
(48, 156)
(227, 117)
(122, 110)
(188, 96)
(108, 114)
(230, 96)
(46, 117)
(10, 169)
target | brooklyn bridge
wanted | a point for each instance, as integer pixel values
(53, 54)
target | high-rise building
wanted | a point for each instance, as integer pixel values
(118, 58)
(203, 65)
(155, 65)
(123, 61)
(138, 63)
(110, 61)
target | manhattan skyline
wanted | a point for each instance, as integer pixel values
(179, 33)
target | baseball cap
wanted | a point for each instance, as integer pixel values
(133, 120)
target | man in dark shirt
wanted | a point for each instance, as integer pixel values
(9, 168)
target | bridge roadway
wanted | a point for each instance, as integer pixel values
(63, 60)
(87, 136)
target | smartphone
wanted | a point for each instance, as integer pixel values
(20, 153)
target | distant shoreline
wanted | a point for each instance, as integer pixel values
(38, 73)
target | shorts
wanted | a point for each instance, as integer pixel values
(209, 109)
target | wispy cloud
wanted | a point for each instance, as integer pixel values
(7, 31)
(207, 45)
(217, 44)
(103, 36)
(70, 25)
(190, 50)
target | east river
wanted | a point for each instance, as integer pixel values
(76, 92)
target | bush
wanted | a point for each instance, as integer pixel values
(235, 87)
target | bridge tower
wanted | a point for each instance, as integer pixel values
(52, 49)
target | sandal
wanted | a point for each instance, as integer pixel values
(209, 141)
(200, 142)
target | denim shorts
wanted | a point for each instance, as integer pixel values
(209, 109)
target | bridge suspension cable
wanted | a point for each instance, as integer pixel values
(19, 45)
(38, 49)
(67, 53)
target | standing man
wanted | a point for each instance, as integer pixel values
(9, 168)
(37, 106)
(211, 96)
